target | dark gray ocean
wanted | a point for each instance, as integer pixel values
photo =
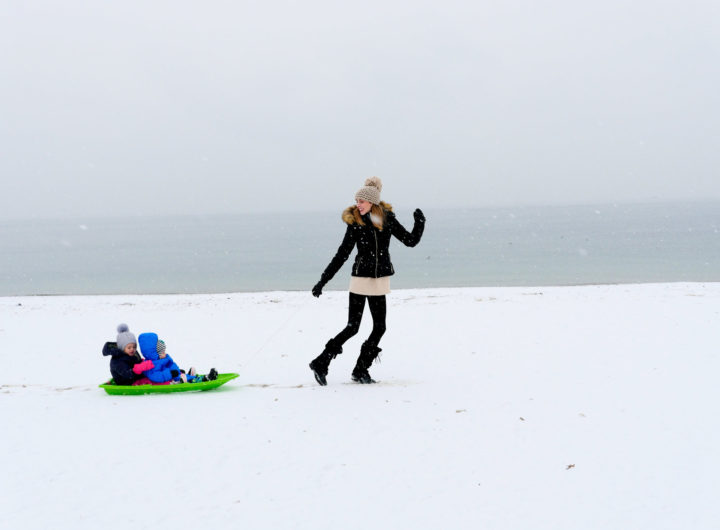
(527, 246)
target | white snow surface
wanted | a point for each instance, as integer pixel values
(591, 407)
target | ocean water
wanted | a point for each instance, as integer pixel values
(528, 246)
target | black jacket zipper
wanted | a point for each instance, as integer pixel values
(377, 256)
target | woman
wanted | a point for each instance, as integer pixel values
(371, 223)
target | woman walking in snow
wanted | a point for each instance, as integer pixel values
(370, 224)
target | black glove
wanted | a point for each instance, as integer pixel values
(419, 216)
(174, 373)
(317, 290)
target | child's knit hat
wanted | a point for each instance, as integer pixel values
(160, 347)
(124, 337)
(370, 191)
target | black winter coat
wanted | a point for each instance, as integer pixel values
(373, 256)
(121, 364)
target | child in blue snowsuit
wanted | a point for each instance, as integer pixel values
(165, 369)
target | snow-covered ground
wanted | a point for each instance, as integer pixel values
(500, 408)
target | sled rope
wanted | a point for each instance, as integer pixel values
(257, 352)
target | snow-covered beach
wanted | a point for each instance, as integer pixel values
(588, 407)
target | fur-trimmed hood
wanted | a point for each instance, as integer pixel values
(351, 214)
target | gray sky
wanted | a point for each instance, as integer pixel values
(177, 106)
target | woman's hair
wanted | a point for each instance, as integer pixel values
(377, 214)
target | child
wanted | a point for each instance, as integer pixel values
(126, 365)
(179, 376)
(165, 370)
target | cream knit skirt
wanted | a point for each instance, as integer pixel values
(370, 286)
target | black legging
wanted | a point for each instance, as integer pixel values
(378, 310)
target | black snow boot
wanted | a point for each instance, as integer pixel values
(320, 364)
(368, 353)
(212, 376)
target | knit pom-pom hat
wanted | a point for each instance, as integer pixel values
(124, 337)
(370, 191)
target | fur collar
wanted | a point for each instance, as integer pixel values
(351, 214)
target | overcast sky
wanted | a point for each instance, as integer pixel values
(118, 106)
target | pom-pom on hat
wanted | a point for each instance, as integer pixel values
(124, 337)
(370, 191)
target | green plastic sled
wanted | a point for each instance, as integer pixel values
(124, 390)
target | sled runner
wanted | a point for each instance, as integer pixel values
(126, 390)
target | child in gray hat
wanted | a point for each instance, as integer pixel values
(126, 365)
